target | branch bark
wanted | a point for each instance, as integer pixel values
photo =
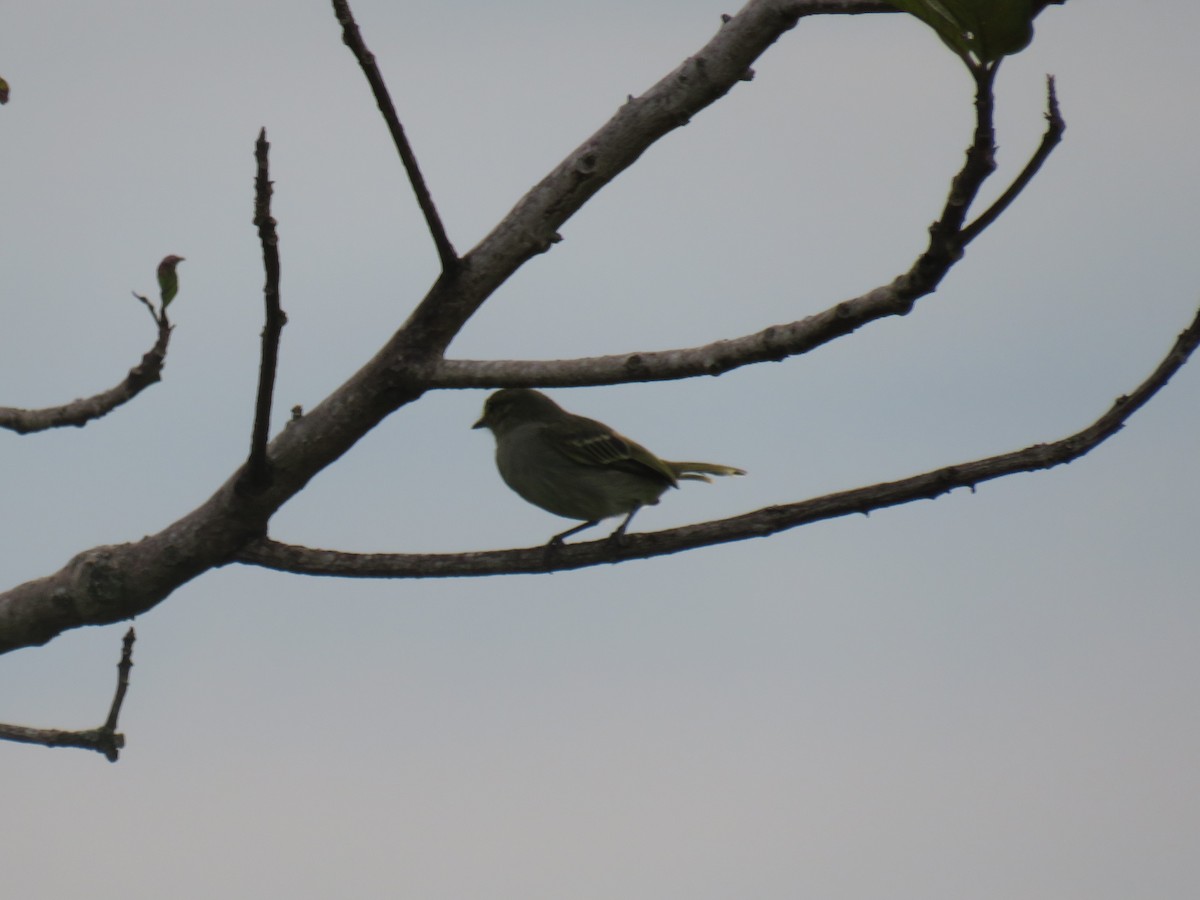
(353, 39)
(258, 471)
(105, 739)
(531, 227)
(79, 412)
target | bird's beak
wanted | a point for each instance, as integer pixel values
(481, 423)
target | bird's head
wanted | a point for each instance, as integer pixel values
(510, 407)
(169, 263)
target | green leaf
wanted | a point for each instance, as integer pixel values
(980, 31)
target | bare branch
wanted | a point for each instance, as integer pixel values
(366, 60)
(114, 582)
(123, 669)
(531, 227)
(1055, 126)
(79, 412)
(154, 313)
(979, 164)
(104, 739)
(770, 520)
(772, 344)
(257, 472)
(947, 238)
(97, 739)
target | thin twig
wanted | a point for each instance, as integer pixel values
(257, 472)
(366, 60)
(78, 413)
(1055, 126)
(159, 318)
(123, 669)
(105, 739)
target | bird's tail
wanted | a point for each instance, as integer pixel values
(698, 471)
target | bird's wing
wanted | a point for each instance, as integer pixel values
(592, 443)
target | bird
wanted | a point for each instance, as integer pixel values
(576, 467)
(168, 280)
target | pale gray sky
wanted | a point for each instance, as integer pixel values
(989, 696)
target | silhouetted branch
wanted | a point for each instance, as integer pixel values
(979, 164)
(79, 412)
(947, 239)
(770, 520)
(104, 739)
(123, 669)
(772, 344)
(1055, 126)
(257, 471)
(117, 581)
(366, 60)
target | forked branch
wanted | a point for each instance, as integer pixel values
(770, 520)
(948, 238)
(113, 582)
(105, 739)
(1055, 126)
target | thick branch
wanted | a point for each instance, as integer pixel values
(80, 412)
(763, 522)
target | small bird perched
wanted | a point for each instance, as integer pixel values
(168, 281)
(575, 467)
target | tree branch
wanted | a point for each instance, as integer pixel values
(257, 473)
(113, 582)
(531, 227)
(104, 739)
(366, 60)
(79, 412)
(1055, 126)
(772, 344)
(947, 238)
(770, 520)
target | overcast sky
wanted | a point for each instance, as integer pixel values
(988, 696)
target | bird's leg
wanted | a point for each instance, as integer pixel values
(559, 538)
(618, 536)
